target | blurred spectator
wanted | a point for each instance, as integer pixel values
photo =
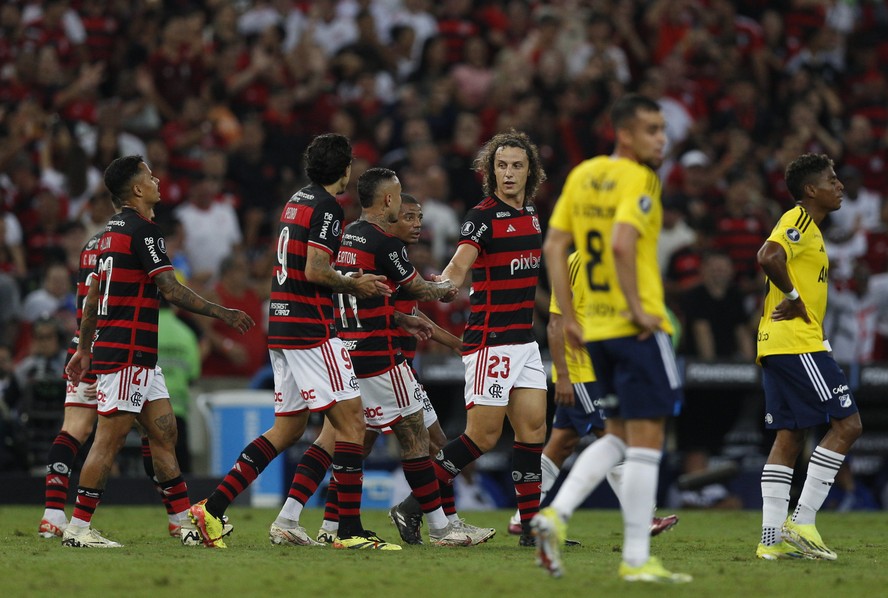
(11, 442)
(853, 313)
(55, 295)
(178, 354)
(740, 230)
(675, 233)
(65, 168)
(210, 226)
(232, 353)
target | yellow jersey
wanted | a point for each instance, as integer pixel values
(579, 365)
(599, 193)
(808, 267)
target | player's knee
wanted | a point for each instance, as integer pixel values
(78, 430)
(849, 428)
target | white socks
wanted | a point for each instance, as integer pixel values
(290, 513)
(822, 469)
(550, 474)
(776, 480)
(639, 495)
(589, 470)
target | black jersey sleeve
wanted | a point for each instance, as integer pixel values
(477, 228)
(393, 261)
(325, 229)
(149, 247)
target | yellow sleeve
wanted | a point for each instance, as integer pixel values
(639, 188)
(789, 231)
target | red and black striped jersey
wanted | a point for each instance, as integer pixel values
(301, 312)
(88, 257)
(406, 305)
(131, 253)
(504, 275)
(366, 326)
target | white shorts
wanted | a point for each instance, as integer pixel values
(492, 373)
(312, 379)
(130, 388)
(391, 396)
(75, 396)
(429, 415)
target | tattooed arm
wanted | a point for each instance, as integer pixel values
(180, 295)
(319, 270)
(425, 290)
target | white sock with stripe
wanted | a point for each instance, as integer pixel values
(822, 469)
(776, 481)
(550, 474)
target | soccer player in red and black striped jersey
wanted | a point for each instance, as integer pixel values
(118, 331)
(500, 243)
(79, 420)
(312, 369)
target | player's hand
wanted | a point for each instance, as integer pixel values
(788, 310)
(564, 393)
(451, 291)
(78, 366)
(573, 334)
(370, 285)
(91, 391)
(237, 320)
(648, 323)
(418, 327)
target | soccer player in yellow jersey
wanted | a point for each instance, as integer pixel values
(610, 211)
(804, 386)
(578, 406)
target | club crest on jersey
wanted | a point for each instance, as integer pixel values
(536, 223)
(467, 229)
(793, 235)
(645, 203)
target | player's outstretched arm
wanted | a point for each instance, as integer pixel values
(418, 327)
(181, 296)
(426, 290)
(319, 270)
(440, 335)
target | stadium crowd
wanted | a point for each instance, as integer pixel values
(222, 97)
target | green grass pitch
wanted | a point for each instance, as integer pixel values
(717, 548)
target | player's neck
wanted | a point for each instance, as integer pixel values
(817, 214)
(144, 210)
(374, 217)
(516, 201)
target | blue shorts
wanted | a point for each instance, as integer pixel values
(586, 413)
(804, 390)
(641, 375)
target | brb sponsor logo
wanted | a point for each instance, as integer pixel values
(372, 412)
(524, 262)
(309, 395)
(278, 397)
(101, 397)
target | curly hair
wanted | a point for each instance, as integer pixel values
(327, 158)
(803, 170)
(484, 161)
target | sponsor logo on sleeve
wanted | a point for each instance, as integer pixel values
(152, 250)
(337, 228)
(396, 262)
(327, 224)
(645, 203)
(793, 235)
(467, 228)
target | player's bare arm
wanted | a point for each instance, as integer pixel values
(772, 258)
(625, 248)
(564, 394)
(181, 296)
(319, 270)
(457, 270)
(79, 363)
(418, 327)
(426, 290)
(439, 335)
(555, 250)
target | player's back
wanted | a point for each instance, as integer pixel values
(366, 326)
(300, 311)
(599, 193)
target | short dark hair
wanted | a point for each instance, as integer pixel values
(327, 158)
(484, 161)
(627, 107)
(803, 170)
(408, 199)
(119, 176)
(369, 182)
